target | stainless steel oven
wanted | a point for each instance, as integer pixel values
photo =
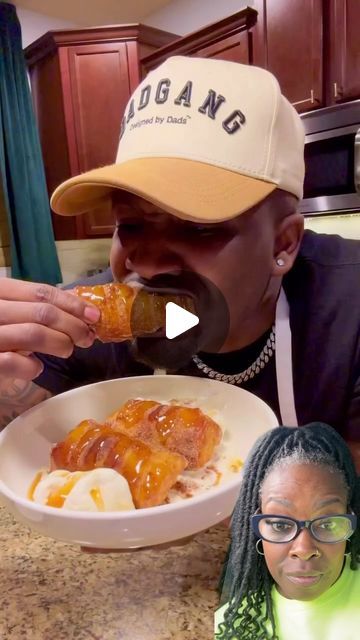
(332, 160)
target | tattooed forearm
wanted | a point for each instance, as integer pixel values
(16, 396)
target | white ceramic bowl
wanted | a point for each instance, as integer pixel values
(26, 442)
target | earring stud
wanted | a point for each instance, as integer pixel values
(280, 262)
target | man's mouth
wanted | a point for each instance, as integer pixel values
(161, 285)
(196, 294)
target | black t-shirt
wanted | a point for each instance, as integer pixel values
(323, 291)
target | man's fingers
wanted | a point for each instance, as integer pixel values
(34, 292)
(43, 313)
(36, 317)
(34, 337)
(16, 365)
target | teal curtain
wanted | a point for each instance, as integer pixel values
(33, 250)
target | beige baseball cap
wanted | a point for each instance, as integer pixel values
(203, 139)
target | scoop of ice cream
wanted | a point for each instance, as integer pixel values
(96, 490)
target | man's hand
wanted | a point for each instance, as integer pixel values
(38, 317)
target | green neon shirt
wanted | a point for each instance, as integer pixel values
(335, 615)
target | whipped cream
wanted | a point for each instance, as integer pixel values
(96, 490)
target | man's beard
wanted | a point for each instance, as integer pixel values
(161, 353)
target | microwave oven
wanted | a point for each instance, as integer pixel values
(332, 160)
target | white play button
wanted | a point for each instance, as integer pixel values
(178, 320)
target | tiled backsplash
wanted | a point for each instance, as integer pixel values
(79, 257)
(346, 225)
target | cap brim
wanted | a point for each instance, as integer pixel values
(188, 189)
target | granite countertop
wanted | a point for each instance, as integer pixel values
(53, 591)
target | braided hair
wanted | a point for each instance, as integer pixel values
(250, 614)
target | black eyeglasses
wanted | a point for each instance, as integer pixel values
(280, 529)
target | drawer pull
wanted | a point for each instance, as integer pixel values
(338, 92)
(311, 99)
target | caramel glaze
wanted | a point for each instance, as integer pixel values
(56, 497)
(128, 312)
(115, 303)
(184, 430)
(34, 484)
(150, 471)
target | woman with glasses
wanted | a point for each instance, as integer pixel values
(292, 566)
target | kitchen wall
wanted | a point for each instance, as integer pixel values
(34, 25)
(184, 16)
(180, 16)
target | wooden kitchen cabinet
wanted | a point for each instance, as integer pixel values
(311, 46)
(81, 81)
(290, 45)
(284, 36)
(343, 46)
(228, 39)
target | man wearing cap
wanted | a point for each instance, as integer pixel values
(207, 181)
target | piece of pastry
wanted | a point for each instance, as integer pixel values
(184, 430)
(129, 312)
(150, 471)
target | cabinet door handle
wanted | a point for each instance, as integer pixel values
(312, 99)
(357, 161)
(338, 92)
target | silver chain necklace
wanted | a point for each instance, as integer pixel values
(238, 378)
